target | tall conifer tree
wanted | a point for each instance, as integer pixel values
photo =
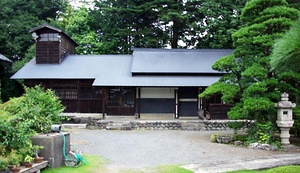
(250, 82)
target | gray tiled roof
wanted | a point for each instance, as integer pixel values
(3, 58)
(176, 60)
(120, 75)
(73, 67)
(115, 70)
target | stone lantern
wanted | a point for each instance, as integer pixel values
(285, 117)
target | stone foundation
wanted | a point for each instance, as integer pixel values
(189, 125)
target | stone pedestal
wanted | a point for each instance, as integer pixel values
(53, 147)
(285, 136)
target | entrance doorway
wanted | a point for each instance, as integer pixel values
(121, 101)
(188, 101)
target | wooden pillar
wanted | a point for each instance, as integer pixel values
(139, 102)
(200, 101)
(104, 98)
(78, 96)
(176, 104)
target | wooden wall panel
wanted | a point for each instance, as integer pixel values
(47, 52)
(219, 111)
(86, 99)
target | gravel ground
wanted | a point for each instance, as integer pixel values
(142, 149)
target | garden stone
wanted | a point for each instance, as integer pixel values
(253, 145)
(238, 143)
(267, 147)
(224, 139)
(190, 128)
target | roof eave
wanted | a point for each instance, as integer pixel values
(53, 28)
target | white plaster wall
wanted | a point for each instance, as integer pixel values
(158, 92)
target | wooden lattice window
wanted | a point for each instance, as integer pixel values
(90, 93)
(121, 96)
(66, 92)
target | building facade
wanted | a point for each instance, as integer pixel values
(150, 83)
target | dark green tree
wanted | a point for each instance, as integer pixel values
(199, 23)
(123, 24)
(165, 23)
(286, 53)
(220, 21)
(173, 18)
(294, 4)
(250, 83)
(75, 22)
(285, 61)
(17, 17)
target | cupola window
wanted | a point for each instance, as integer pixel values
(49, 37)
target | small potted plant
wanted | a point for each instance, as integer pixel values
(14, 159)
(24, 152)
(4, 165)
(36, 149)
(28, 161)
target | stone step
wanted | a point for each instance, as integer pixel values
(192, 126)
(74, 126)
(118, 126)
(113, 127)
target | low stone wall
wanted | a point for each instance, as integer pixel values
(225, 124)
(190, 125)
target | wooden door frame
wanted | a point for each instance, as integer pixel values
(120, 107)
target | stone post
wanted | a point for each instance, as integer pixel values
(285, 117)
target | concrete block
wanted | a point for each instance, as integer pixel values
(53, 147)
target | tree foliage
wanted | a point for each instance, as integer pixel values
(219, 21)
(17, 17)
(167, 23)
(38, 109)
(123, 24)
(76, 23)
(285, 63)
(249, 68)
(22, 117)
(286, 54)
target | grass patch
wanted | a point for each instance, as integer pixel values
(158, 169)
(281, 169)
(171, 169)
(95, 164)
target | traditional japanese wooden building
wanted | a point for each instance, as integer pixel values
(150, 83)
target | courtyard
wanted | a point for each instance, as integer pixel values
(141, 150)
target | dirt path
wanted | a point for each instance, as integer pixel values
(143, 149)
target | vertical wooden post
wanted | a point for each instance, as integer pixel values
(176, 104)
(139, 103)
(78, 96)
(103, 102)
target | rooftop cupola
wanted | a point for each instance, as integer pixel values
(52, 44)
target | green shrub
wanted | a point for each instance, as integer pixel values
(263, 133)
(213, 138)
(21, 118)
(239, 137)
(3, 163)
(236, 126)
(38, 108)
(296, 116)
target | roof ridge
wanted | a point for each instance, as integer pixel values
(179, 50)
